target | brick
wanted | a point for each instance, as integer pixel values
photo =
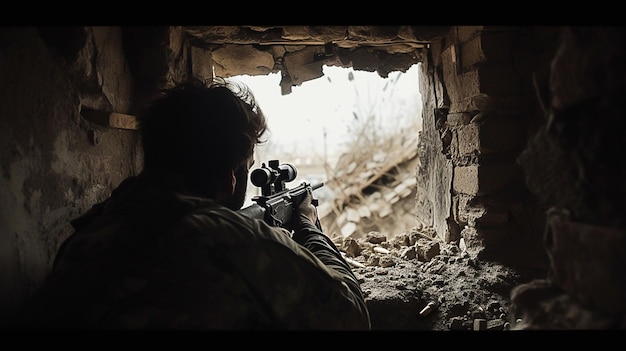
(468, 137)
(477, 45)
(486, 179)
(460, 87)
(471, 53)
(484, 82)
(465, 180)
(465, 33)
(500, 134)
(489, 46)
(110, 119)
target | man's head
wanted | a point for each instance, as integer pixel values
(207, 134)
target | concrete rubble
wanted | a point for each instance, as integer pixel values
(414, 282)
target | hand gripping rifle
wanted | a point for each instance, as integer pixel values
(277, 204)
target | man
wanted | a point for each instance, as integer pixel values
(168, 249)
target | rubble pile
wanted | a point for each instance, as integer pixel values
(414, 282)
(411, 280)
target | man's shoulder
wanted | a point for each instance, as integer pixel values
(210, 218)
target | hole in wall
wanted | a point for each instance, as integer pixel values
(354, 131)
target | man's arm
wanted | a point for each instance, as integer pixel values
(310, 236)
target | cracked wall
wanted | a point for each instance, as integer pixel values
(479, 108)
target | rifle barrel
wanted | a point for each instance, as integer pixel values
(317, 185)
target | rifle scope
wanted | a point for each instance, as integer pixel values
(274, 173)
(272, 178)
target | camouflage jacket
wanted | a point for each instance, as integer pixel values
(150, 257)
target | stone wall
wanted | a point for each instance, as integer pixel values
(55, 163)
(479, 108)
(573, 164)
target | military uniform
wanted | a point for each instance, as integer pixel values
(151, 257)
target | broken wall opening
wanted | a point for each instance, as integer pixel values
(356, 132)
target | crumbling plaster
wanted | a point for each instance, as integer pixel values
(55, 165)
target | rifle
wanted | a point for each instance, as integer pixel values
(277, 203)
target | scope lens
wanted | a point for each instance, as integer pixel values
(261, 177)
(289, 170)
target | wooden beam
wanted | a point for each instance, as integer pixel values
(110, 119)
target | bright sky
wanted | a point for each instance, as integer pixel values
(298, 121)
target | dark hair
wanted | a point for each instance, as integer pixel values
(201, 130)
